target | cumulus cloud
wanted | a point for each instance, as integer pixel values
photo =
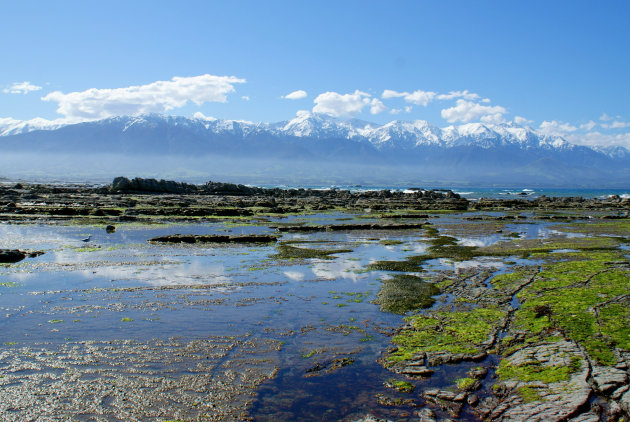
(617, 124)
(199, 115)
(466, 95)
(599, 139)
(21, 88)
(155, 97)
(605, 117)
(335, 104)
(296, 95)
(388, 93)
(418, 97)
(522, 121)
(377, 106)
(557, 128)
(245, 97)
(588, 126)
(466, 111)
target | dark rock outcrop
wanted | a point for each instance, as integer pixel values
(123, 184)
(194, 238)
(9, 256)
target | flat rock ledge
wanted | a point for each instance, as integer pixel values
(350, 227)
(420, 365)
(215, 238)
(517, 400)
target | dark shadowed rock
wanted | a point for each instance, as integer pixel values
(9, 256)
(194, 238)
(123, 184)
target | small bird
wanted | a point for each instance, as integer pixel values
(87, 239)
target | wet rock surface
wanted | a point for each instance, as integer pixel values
(557, 398)
(210, 379)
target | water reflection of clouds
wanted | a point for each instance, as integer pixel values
(71, 256)
(337, 269)
(473, 263)
(568, 235)
(13, 236)
(419, 248)
(157, 274)
(294, 275)
(533, 231)
(479, 241)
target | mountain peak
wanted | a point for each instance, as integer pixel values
(397, 134)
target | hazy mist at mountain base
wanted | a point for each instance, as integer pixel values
(101, 168)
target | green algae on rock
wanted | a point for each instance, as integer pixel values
(403, 292)
(464, 332)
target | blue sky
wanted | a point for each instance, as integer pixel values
(558, 66)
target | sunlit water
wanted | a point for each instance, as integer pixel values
(119, 286)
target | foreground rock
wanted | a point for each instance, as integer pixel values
(211, 238)
(540, 383)
(9, 256)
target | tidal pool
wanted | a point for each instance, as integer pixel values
(117, 328)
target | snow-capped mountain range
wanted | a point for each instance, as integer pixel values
(464, 152)
(393, 135)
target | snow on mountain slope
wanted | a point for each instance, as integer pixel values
(9, 126)
(395, 135)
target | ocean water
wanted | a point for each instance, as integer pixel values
(484, 192)
(467, 192)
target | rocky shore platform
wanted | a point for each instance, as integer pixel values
(148, 199)
(505, 309)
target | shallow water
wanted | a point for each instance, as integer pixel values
(118, 287)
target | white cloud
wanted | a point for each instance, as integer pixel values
(556, 128)
(418, 97)
(337, 105)
(466, 111)
(245, 97)
(605, 117)
(199, 115)
(155, 97)
(588, 126)
(377, 106)
(616, 125)
(21, 88)
(466, 95)
(295, 95)
(388, 93)
(522, 121)
(494, 118)
(600, 139)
